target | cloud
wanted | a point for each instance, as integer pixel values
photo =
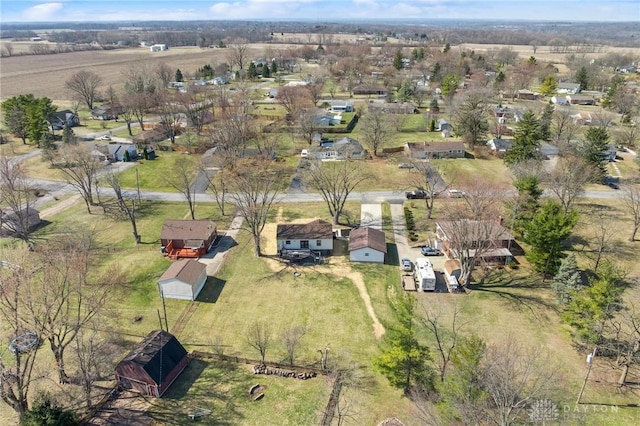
(43, 12)
(257, 9)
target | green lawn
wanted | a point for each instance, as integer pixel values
(154, 175)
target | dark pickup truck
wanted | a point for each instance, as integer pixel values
(418, 194)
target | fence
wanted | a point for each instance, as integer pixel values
(241, 360)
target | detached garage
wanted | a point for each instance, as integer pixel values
(183, 280)
(153, 365)
(367, 245)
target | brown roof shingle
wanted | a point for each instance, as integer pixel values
(316, 230)
(174, 229)
(185, 270)
(367, 237)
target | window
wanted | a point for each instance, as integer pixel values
(366, 254)
(318, 243)
(287, 243)
(304, 244)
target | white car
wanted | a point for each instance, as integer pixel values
(407, 265)
(104, 138)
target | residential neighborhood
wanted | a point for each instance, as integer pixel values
(353, 225)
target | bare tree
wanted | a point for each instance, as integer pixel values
(84, 85)
(165, 74)
(124, 207)
(564, 126)
(238, 53)
(514, 377)
(335, 181)
(256, 184)
(446, 337)
(233, 133)
(601, 225)
(470, 240)
(8, 48)
(65, 295)
(632, 202)
(426, 176)
(16, 366)
(629, 135)
(307, 124)
(376, 130)
(180, 179)
(141, 86)
(169, 110)
(15, 193)
(77, 164)
(294, 99)
(259, 337)
(568, 179)
(291, 338)
(94, 360)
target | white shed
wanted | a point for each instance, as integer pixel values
(367, 245)
(184, 279)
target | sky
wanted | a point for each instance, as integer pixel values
(317, 10)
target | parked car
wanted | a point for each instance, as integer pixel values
(406, 166)
(104, 138)
(456, 193)
(430, 251)
(406, 264)
(614, 185)
(417, 194)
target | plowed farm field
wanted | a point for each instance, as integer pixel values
(45, 75)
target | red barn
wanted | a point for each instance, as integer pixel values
(153, 365)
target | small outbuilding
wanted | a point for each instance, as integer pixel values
(184, 279)
(153, 365)
(367, 245)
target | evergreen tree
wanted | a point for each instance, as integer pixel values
(274, 67)
(397, 60)
(47, 412)
(436, 73)
(549, 86)
(545, 234)
(252, 72)
(472, 121)
(594, 148)
(433, 105)
(546, 121)
(179, 77)
(567, 281)
(403, 360)
(527, 203)
(432, 126)
(67, 134)
(525, 141)
(266, 72)
(449, 85)
(582, 78)
(591, 306)
(447, 47)
(462, 388)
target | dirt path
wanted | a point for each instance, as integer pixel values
(59, 207)
(356, 277)
(343, 270)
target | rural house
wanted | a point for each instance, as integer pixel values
(500, 146)
(367, 245)
(580, 100)
(427, 150)
(469, 235)
(187, 238)
(64, 118)
(571, 88)
(370, 90)
(184, 279)
(526, 95)
(341, 149)
(153, 364)
(340, 105)
(393, 107)
(106, 112)
(114, 152)
(314, 236)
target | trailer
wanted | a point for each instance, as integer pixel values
(409, 282)
(425, 275)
